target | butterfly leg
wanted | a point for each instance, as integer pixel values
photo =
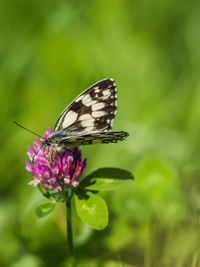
(53, 155)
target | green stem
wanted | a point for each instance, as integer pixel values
(69, 229)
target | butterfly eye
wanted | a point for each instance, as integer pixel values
(47, 142)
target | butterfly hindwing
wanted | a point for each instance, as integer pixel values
(93, 138)
(93, 110)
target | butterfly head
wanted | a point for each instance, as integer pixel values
(52, 141)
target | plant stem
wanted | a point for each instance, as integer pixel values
(69, 225)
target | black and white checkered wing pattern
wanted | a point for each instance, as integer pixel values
(92, 111)
(94, 138)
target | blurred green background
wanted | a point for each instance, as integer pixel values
(50, 51)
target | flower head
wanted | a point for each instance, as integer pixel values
(54, 170)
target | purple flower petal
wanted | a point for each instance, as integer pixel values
(34, 182)
(58, 187)
(75, 184)
(67, 180)
(30, 153)
(47, 186)
(28, 166)
(47, 133)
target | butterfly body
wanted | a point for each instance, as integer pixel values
(88, 119)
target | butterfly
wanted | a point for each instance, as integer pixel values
(88, 119)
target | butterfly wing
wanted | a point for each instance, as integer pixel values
(93, 110)
(93, 138)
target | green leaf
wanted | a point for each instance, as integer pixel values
(92, 209)
(44, 209)
(107, 179)
(43, 190)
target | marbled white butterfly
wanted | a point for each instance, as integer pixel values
(88, 119)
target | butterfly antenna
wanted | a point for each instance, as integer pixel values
(27, 129)
(37, 152)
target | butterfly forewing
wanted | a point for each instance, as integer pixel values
(92, 111)
(89, 118)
